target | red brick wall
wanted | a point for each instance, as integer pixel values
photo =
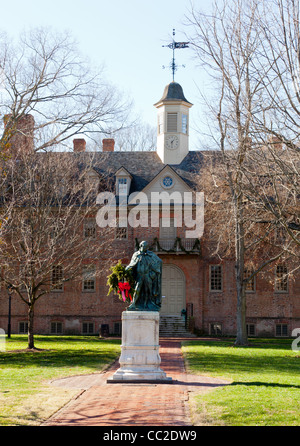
(265, 308)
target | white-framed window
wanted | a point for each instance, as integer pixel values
(56, 327)
(281, 330)
(251, 330)
(215, 329)
(89, 228)
(122, 186)
(160, 124)
(57, 278)
(88, 328)
(121, 232)
(215, 278)
(281, 279)
(89, 278)
(184, 123)
(250, 284)
(171, 122)
(23, 327)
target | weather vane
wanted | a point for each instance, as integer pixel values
(175, 45)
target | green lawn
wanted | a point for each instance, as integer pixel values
(26, 398)
(265, 389)
(265, 377)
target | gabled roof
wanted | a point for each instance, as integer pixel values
(166, 169)
(122, 171)
(144, 166)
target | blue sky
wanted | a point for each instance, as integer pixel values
(124, 35)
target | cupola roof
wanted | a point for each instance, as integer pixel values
(173, 92)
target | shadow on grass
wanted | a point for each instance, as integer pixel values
(264, 384)
(61, 352)
(262, 356)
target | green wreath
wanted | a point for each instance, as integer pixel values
(120, 275)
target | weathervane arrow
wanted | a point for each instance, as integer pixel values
(173, 46)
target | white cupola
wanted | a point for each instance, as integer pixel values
(173, 125)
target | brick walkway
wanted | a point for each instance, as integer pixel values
(102, 404)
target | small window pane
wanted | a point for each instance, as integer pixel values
(56, 328)
(281, 282)
(184, 124)
(215, 277)
(89, 281)
(57, 277)
(23, 327)
(250, 329)
(89, 229)
(281, 330)
(160, 124)
(87, 328)
(250, 284)
(122, 182)
(216, 329)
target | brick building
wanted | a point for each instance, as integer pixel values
(192, 280)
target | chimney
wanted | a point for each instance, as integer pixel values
(19, 133)
(108, 145)
(79, 145)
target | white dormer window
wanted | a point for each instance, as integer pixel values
(122, 186)
(123, 182)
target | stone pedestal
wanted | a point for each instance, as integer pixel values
(140, 359)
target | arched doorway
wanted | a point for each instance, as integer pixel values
(173, 288)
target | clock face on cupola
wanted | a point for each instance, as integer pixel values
(172, 142)
(173, 125)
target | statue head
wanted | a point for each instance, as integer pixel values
(143, 246)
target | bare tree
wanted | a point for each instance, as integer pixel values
(138, 137)
(45, 76)
(49, 234)
(226, 43)
(277, 129)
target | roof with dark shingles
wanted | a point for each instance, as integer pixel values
(173, 92)
(144, 166)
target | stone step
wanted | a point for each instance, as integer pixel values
(173, 325)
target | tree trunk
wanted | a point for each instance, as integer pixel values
(241, 335)
(30, 327)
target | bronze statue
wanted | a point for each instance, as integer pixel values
(146, 268)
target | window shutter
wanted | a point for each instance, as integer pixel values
(172, 122)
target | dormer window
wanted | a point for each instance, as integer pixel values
(123, 182)
(122, 186)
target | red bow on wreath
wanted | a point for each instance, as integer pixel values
(124, 289)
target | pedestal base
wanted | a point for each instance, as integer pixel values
(140, 359)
